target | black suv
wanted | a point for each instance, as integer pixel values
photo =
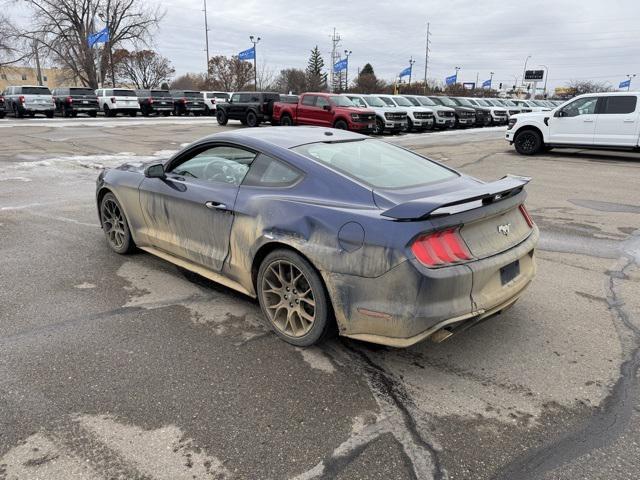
(483, 114)
(155, 101)
(465, 116)
(186, 102)
(251, 108)
(70, 101)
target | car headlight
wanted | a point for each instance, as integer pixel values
(512, 122)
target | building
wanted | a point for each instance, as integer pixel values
(51, 77)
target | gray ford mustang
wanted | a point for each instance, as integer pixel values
(330, 229)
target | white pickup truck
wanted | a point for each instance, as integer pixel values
(607, 121)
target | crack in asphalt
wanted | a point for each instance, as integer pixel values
(395, 419)
(609, 421)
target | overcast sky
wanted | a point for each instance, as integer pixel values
(576, 39)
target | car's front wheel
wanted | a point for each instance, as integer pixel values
(379, 128)
(293, 298)
(221, 117)
(115, 225)
(528, 142)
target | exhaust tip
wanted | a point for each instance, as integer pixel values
(440, 336)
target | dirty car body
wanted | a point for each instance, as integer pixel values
(400, 263)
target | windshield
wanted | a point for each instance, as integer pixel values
(509, 103)
(426, 101)
(484, 103)
(36, 91)
(124, 93)
(437, 100)
(402, 102)
(81, 91)
(376, 163)
(413, 100)
(374, 102)
(341, 101)
(447, 101)
(224, 96)
(463, 101)
(388, 101)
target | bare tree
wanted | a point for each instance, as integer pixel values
(229, 73)
(144, 68)
(62, 28)
(266, 77)
(12, 49)
(291, 80)
(587, 86)
(190, 81)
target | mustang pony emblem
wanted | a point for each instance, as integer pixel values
(504, 229)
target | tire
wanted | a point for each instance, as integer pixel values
(111, 214)
(307, 319)
(92, 114)
(108, 112)
(409, 125)
(2, 114)
(66, 112)
(207, 111)
(166, 114)
(528, 142)
(49, 114)
(16, 112)
(286, 121)
(252, 119)
(341, 125)
(133, 114)
(379, 128)
(145, 111)
(221, 117)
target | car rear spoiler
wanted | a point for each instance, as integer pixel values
(485, 193)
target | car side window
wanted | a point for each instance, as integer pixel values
(620, 105)
(309, 100)
(582, 106)
(221, 164)
(269, 172)
(235, 97)
(322, 102)
(358, 102)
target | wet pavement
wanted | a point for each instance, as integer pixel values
(128, 367)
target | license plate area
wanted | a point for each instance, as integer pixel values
(509, 272)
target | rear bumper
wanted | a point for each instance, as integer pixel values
(36, 108)
(410, 302)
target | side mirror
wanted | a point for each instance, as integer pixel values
(560, 113)
(229, 101)
(154, 171)
(327, 108)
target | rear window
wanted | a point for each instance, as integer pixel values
(224, 96)
(271, 96)
(193, 94)
(620, 105)
(124, 93)
(376, 163)
(160, 93)
(81, 91)
(36, 91)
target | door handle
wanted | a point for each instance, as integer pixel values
(588, 121)
(629, 121)
(215, 205)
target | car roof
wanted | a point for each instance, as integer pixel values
(284, 137)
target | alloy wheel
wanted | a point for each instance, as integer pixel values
(113, 223)
(527, 141)
(288, 298)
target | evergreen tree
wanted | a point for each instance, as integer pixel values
(367, 70)
(316, 79)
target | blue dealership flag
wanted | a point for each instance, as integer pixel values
(248, 54)
(486, 83)
(625, 84)
(406, 72)
(100, 37)
(341, 65)
(451, 80)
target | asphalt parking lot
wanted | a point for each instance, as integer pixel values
(129, 368)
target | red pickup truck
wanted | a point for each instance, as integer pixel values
(325, 110)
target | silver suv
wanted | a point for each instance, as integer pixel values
(28, 100)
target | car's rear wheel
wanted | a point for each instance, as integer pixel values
(409, 125)
(286, 121)
(251, 119)
(293, 298)
(16, 112)
(108, 112)
(93, 114)
(115, 225)
(221, 117)
(528, 142)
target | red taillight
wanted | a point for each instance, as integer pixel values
(213, 101)
(69, 100)
(184, 100)
(150, 100)
(21, 99)
(526, 216)
(445, 247)
(113, 99)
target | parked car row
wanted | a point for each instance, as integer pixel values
(26, 100)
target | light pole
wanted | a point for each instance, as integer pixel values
(255, 70)
(346, 70)
(630, 76)
(411, 62)
(206, 35)
(491, 80)
(524, 71)
(546, 77)
(457, 70)
(113, 72)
